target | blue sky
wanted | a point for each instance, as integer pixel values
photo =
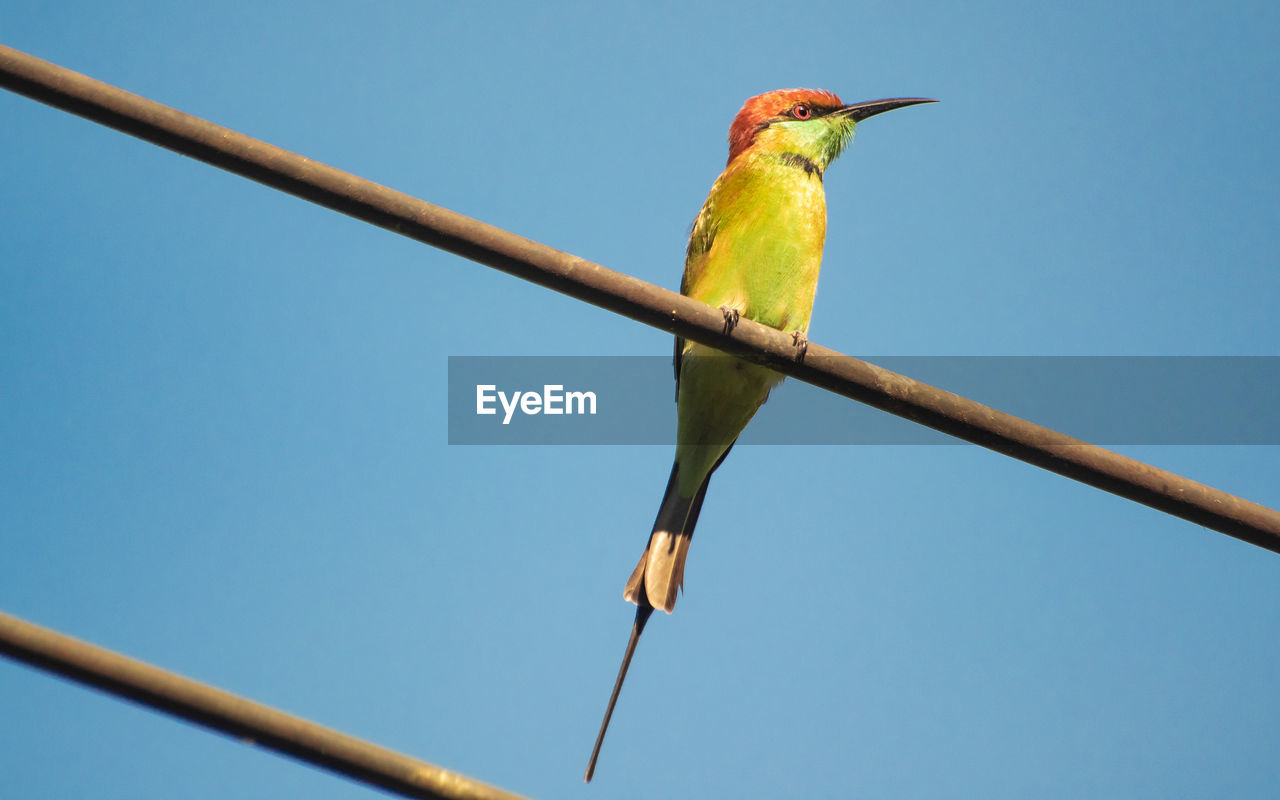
(223, 432)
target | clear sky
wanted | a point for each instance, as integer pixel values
(223, 410)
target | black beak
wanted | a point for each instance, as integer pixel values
(860, 111)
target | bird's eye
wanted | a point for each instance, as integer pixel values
(800, 111)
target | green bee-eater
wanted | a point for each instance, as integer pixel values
(754, 252)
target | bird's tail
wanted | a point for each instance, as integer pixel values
(659, 575)
(656, 579)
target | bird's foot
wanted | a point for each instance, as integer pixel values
(731, 316)
(801, 343)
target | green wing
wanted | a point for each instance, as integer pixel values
(701, 236)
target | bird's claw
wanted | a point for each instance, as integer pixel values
(801, 343)
(731, 316)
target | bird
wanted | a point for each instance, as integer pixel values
(754, 251)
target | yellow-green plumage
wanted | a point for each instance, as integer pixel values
(767, 220)
(755, 252)
(763, 261)
(755, 248)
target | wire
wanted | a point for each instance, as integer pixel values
(634, 298)
(236, 716)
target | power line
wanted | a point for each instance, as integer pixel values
(631, 297)
(634, 298)
(236, 716)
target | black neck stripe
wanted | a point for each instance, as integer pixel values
(797, 160)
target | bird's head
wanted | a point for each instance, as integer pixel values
(810, 123)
